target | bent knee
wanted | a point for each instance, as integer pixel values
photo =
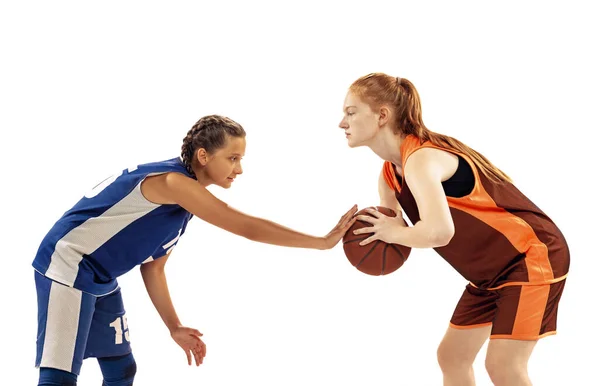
(501, 368)
(118, 371)
(450, 357)
(55, 377)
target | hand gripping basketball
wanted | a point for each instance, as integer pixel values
(378, 257)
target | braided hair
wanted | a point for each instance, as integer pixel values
(210, 133)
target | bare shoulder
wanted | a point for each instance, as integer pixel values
(432, 161)
(156, 188)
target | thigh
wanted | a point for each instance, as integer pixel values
(509, 353)
(64, 320)
(476, 308)
(109, 332)
(470, 326)
(527, 312)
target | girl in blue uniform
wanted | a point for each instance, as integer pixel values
(136, 218)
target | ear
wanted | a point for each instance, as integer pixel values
(202, 156)
(384, 116)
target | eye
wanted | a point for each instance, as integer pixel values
(350, 114)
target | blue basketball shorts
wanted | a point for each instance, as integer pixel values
(74, 325)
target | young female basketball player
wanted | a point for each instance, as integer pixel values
(514, 257)
(136, 218)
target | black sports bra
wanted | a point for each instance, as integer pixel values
(460, 184)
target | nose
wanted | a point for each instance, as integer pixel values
(343, 124)
(238, 169)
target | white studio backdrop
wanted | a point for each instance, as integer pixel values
(88, 88)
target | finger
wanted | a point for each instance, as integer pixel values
(367, 240)
(349, 223)
(374, 212)
(350, 212)
(189, 357)
(197, 357)
(202, 349)
(195, 338)
(343, 228)
(361, 231)
(348, 220)
(192, 331)
(368, 219)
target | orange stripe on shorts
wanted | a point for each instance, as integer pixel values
(531, 309)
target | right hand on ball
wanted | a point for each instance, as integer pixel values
(341, 228)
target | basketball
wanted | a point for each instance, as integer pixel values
(376, 258)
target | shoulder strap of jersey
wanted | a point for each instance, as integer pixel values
(410, 144)
(389, 175)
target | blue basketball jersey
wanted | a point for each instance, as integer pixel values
(112, 229)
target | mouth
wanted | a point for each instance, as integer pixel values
(347, 135)
(230, 179)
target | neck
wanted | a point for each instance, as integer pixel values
(386, 145)
(201, 176)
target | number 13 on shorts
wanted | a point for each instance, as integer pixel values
(121, 329)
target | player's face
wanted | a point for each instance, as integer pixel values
(359, 122)
(225, 164)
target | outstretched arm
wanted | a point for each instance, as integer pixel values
(196, 199)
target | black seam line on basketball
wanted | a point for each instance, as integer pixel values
(384, 257)
(367, 255)
(398, 250)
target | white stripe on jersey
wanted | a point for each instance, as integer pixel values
(62, 325)
(93, 233)
(148, 260)
(170, 243)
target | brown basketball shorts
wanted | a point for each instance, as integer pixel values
(519, 312)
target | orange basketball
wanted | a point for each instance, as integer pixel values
(378, 257)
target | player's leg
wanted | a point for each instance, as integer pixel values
(525, 314)
(109, 341)
(470, 327)
(54, 377)
(457, 352)
(506, 361)
(64, 319)
(118, 370)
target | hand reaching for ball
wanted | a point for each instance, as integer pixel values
(341, 228)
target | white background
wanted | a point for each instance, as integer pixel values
(87, 88)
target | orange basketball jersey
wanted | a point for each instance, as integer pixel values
(501, 238)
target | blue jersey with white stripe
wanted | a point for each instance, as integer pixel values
(112, 229)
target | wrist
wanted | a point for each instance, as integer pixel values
(173, 327)
(398, 235)
(321, 243)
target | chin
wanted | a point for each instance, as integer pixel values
(353, 144)
(225, 184)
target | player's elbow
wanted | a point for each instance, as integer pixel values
(441, 236)
(249, 233)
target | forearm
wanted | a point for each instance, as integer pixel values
(269, 232)
(421, 235)
(200, 202)
(155, 281)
